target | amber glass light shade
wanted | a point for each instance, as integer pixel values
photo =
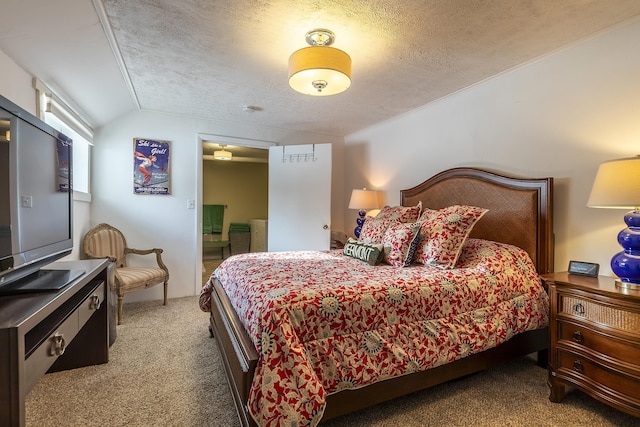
(319, 71)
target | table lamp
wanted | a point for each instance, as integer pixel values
(362, 200)
(617, 186)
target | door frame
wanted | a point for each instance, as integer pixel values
(203, 137)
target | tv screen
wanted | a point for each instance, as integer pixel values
(36, 197)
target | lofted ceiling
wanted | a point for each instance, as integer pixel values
(209, 58)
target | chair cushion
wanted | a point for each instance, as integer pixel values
(137, 275)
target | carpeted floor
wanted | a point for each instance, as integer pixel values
(164, 370)
(208, 265)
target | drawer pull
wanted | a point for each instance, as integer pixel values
(577, 366)
(58, 345)
(577, 337)
(94, 302)
(578, 309)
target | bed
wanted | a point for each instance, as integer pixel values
(518, 217)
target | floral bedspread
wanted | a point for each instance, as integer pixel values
(323, 322)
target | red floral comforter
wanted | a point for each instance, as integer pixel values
(323, 322)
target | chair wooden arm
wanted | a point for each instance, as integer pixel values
(156, 251)
(89, 256)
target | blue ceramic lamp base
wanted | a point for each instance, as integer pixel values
(360, 222)
(626, 264)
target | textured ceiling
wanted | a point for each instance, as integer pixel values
(208, 58)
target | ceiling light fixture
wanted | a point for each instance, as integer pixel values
(320, 70)
(222, 154)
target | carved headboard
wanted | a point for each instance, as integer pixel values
(520, 209)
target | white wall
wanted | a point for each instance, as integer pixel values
(559, 116)
(165, 221)
(16, 86)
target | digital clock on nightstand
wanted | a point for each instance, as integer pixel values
(584, 268)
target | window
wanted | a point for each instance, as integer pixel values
(81, 153)
(58, 115)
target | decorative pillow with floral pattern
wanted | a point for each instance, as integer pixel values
(400, 242)
(373, 228)
(443, 232)
(400, 213)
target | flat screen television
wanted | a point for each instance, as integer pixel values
(36, 202)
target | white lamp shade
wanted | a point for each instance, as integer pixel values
(364, 199)
(617, 185)
(319, 64)
(222, 155)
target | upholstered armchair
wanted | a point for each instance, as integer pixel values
(105, 241)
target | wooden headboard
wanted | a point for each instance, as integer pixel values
(520, 209)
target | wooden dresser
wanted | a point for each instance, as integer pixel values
(52, 331)
(594, 332)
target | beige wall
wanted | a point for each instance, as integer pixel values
(559, 116)
(243, 187)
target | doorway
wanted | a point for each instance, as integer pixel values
(237, 186)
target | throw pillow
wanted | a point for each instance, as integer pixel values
(400, 242)
(371, 254)
(400, 213)
(443, 232)
(373, 228)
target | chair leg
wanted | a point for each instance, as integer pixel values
(120, 301)
(166, 285)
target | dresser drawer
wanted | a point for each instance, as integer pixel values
(60, 332)
(39, 362)
(91, 304)
(570, 334)
(598, 313)
(582, 371)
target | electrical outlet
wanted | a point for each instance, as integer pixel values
(191, 204)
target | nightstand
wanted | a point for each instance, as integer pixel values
(594, 332)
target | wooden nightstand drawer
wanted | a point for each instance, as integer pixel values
(587, 374)
(602, 314)
(572, 335)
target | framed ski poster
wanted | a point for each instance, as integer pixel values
(151, 166)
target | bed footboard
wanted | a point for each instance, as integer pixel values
(238, 352)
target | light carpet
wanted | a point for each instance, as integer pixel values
(165, 370)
